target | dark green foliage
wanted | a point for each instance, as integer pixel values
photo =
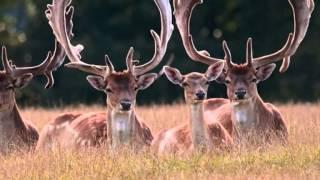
(112, 26)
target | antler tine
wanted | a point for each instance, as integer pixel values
(249, 52)
(57, 14)
(161, 42)
(17, 71)
(56, 61)
(35, 70)
(227, 53)
(5, 62)
(129, 60)
(302, 10)
(52, 61)
(183, 12)
(108, 63)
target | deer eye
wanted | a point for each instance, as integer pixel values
(227, 81)
(9, 87)
(109, 90)
(184, 84)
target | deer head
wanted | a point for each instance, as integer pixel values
(13, 77)
(241, 80)
(121, 87)
(195, 84)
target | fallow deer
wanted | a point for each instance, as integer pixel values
(119, 126)
(246, 111)
(16, 132)
(197, 134)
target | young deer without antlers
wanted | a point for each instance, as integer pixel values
(197, 134)
(246, 111)
(15, 132)
(119, 126)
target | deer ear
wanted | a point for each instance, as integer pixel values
(214, 71)
(264, 72)
(173, 75)
(97, 82)
(146, 80)
(22, 81)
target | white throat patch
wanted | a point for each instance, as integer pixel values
(121, 122)
(241, 116)
(244, 114)
(121, 128)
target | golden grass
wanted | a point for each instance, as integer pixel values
(300, 159)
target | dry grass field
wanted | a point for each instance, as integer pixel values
(300, 159)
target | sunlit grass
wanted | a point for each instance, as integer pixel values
(300, 159)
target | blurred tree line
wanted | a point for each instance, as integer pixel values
(112, 26)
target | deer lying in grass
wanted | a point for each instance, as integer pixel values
(119, 126)
(196, 135)
(246, 111)
(16, 132)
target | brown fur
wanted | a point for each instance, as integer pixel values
(83, 130)
(219, 109)
(266, 117)
(95, 129)
(198, 134)
(15, 132)
(269, 120)
(180, 140)
(241, 79)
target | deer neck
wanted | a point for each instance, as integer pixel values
(246, 114)
(10, 114)
(199, 131)
(10, 123)
(121, 127)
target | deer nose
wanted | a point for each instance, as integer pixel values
(200, 95)
(125, 105)
(240, 93)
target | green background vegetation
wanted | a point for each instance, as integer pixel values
(112, 26)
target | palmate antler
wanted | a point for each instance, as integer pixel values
(51, 63)
(59, 9)
(302, 10)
